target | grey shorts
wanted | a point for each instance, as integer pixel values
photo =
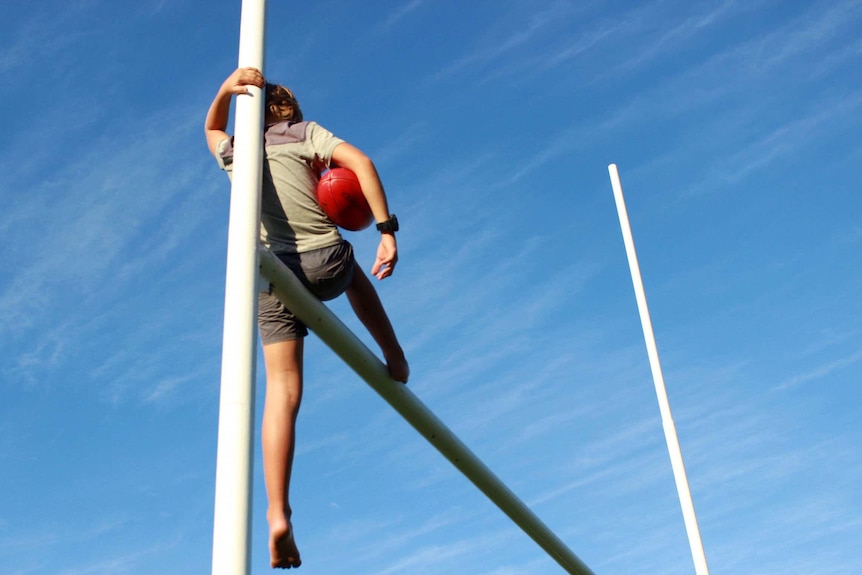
(325, 272)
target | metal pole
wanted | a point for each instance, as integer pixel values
(344, 343)
(233, 494)
(670, 435)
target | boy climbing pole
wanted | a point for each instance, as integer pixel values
(294, 227)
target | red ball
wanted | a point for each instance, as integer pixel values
(341, 197)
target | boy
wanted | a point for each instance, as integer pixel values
(295, 228)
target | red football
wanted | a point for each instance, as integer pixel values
(341, 197)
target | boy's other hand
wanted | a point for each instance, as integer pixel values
(387, 257)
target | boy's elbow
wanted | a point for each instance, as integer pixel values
(211, 144)
(364, 163)
(214, 138)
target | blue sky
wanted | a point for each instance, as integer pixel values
(735, 126)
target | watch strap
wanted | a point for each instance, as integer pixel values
(390, 225)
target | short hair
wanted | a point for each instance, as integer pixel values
(282, 104)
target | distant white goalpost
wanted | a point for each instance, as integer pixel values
(671, 438)
(232, 515)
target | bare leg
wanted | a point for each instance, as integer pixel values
(283, 395)
(366, 303)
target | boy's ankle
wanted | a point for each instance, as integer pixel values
(278, 514)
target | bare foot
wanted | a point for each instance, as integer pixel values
(398, 367)
(283, 553)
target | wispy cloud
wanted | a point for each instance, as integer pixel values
(88, 224)
(504, 37)
(410, 537)
(784, 141)
(39, 37)
(51, 537)
(736, 72)
(425, 556)
(821, 371)
(399, 14)
(166, 387)
(118, 221)
(668, 40)
(811, 30)
(434, 556)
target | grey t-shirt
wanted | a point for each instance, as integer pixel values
(291, 220)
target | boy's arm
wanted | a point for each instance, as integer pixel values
(350, 157)
(219, 112)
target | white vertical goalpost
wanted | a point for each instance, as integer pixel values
(233, 493)
(232, 516)
(671, 438)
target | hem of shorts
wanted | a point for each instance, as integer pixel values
(282, 339)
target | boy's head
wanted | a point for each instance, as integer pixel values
(281, 105)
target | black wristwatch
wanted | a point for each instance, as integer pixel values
(390, 225)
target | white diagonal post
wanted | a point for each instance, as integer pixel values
(671, 438)
(343, 342)
(233, 494)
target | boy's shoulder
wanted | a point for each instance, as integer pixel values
(286, 133)
(283, 133)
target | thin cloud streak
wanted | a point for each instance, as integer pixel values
(820, 372)
(399, 14)
(501, 41)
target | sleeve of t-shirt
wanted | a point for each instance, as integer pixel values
(224, 154)
(322, 141)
